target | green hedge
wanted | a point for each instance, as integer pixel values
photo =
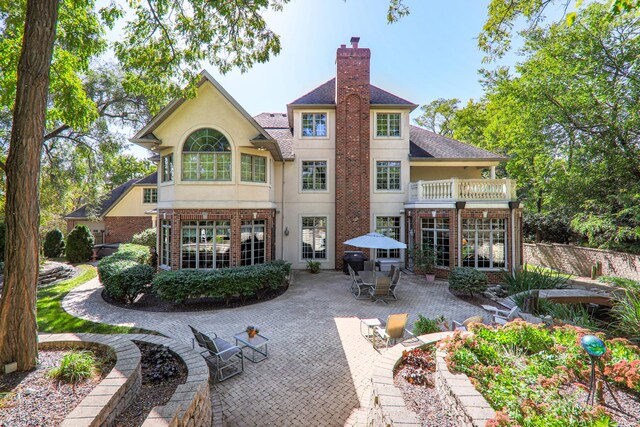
(79, 244)
(53, 244)
(243, 282)
(468, 279)
(126, 274)
(146, 238)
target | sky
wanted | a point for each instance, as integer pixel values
(430, 54)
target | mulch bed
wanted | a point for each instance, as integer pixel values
(33, 399)
(477, 299)
(415, 380)
(626, 415)
(149, 302)
(162, 372)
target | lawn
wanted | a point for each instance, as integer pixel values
(53, 319)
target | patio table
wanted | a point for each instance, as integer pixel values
(368, 277)
(257, 344)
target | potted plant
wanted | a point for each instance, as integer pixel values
(252, 331)
(424, 261)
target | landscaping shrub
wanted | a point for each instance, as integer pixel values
(79, 244)
(124, 280)
(132, 252)
(313, 266)
(145, 238)
(243, 282)
(74, 367)
(533, 277)
(626, 314)
(424, 326)
(53, 244)
(468, 279)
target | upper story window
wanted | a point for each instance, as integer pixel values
(253, 168)
(388, 124)
(314, 124)
(314, 175)
(388, 175)
(206, 156)
(149, 195)
(167, 168)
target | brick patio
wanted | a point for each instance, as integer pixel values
(319, 366)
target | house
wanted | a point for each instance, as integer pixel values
(342, 161)
(126, 210)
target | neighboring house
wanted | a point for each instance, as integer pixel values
(342, 161)
(125, 211)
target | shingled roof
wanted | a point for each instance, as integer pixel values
(325, 94)
(277, 126)
(426, 145)
(113, 197)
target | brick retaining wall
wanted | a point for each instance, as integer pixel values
(577, 260)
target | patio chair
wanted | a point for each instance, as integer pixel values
(369, 266)
(395, 280)
(394, 329)
(359, 289)
(457, 326)
(380, 291)
(226, 358)
(502, 316)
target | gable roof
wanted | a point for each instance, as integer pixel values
(427, 145)
(325, 94)
(277, 125)
(113, 197)
(147, 139)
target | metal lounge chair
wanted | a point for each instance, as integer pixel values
(359, 289)
(394, 329)
(501, 317)
(395, 280)
(226, 358)
(380, 291)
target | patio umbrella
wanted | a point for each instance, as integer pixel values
(375, 241)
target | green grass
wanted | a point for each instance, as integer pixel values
(53, 319)
(530, 267)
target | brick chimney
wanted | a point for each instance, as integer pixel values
(352, 145)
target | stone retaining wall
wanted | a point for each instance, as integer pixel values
(189, 406)
(109, 398)
(462, 398)
(578, 261)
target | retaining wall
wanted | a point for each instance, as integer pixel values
(578, 261)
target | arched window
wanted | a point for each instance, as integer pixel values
(206, 156)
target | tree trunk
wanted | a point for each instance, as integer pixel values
(18, 324)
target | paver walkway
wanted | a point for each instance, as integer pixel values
(319, 366)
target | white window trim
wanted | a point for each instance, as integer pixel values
(327, 245)
(400, 231)
(267, 174)
(374, 174)
(178, 158)
(149, 188)
(507, 247)
(375, 125)
(173, 174)
(311, 138)
(328, 182)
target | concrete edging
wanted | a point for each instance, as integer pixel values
(387, 407)
(189, 405)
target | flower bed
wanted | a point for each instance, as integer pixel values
(536, 376)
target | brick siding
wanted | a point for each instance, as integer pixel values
(578, 261)
(234, 216)
(352, 146)
(120, 229)
(414, 221)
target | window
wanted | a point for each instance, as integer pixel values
(205, 244)
(314, 237)
(314, 176)
(388, 175)
(165, 242)
(314, 124)
(149, 195)
(252, 238)
(253, 168)
(484, 243)
(206, 156)
(388, 124)
(435, 235)
(390, 227)
(167, 168)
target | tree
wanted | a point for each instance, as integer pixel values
(79, 244)
(438, 115)
(161, 50)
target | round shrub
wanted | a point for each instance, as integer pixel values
(131, 252)
(79, 244)
(54, 244)
(468, 279)
(124, 280)
(145, 238)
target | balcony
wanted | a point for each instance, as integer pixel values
(463, 190)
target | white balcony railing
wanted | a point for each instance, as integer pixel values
(455, 189)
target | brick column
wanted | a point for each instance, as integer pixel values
(352, 145)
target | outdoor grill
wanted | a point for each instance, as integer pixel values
(355, 259)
